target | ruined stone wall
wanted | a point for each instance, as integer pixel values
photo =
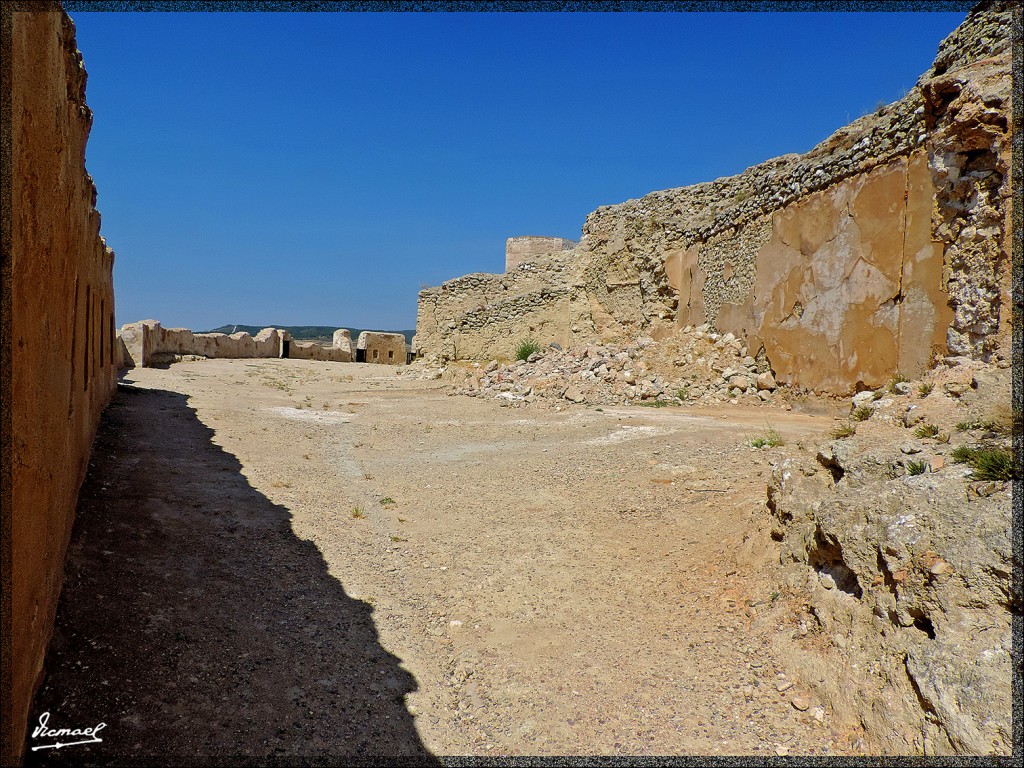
(483, 315)
(382, 348)
(342, 340)
(519, 250)
(310, 350)
(147, 343)
(63, 342)
(722, 252)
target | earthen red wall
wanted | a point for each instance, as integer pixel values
(62, 334)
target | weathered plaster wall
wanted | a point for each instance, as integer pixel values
(63, 342)
(685, 256)
(848, 288)
(382, 348)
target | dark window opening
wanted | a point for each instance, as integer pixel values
(391, 354)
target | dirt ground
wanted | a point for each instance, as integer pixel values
(298, 558)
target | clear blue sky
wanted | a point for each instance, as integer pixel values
(318, 169)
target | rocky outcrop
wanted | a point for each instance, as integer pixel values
(62, 343)
(904, 558)
(879, 249)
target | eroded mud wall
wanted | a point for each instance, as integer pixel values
(62, 345)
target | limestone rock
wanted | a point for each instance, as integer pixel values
(919, 598)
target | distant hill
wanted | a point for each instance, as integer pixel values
(303, 332)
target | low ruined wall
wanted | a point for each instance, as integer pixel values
(63, 346)
(839, 297)
(310, 350)
(147, 343)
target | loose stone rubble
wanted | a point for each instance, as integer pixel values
(696, 367)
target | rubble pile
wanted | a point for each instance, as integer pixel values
(695, 366)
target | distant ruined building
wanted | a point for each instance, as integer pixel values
(884, 246)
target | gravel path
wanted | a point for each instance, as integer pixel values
(278, 557)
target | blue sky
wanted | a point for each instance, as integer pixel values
(319, 169)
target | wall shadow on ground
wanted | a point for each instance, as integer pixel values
(197, 626)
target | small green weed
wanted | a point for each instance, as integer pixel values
(526, 348)
(992, 464)
(652, 403)
(925, 389)
(770, 439)
(917, 467)
(387, 501)
(357, 513)
(846, 429)
(926, 430)
(862, 413)
(899, 378)
(985, 463)
(963, 454)
(988, 425)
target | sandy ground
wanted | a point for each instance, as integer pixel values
(297, 558)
